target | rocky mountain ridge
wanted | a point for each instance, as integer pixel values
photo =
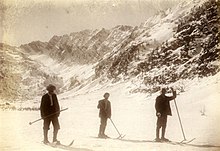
(82, 47)
(192, 51)
(180, 43)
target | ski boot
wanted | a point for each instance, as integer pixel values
(157, 140)
(101, 136)
(46, 142)
(163, 139)
(105, 136)
(55, 141)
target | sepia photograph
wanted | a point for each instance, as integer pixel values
(109, 75)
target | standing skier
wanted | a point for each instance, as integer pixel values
(163, 109)
(104, 107)
(49, 106)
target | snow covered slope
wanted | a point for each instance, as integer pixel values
(133, 114)
(188, 49)
(178, 48)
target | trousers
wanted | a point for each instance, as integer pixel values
(103, 125)
(161, 122)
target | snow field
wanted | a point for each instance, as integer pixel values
(133, 114)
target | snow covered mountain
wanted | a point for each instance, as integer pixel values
(189, 49)
(178, 47)
(180, 43)
(81, 47)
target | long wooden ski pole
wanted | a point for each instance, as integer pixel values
(30, 123)
(115, 128)
(181, 125)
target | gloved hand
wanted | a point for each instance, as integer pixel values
(158, 114)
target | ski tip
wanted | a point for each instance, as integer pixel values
(187, 141)
(71, 143)
(121, 136)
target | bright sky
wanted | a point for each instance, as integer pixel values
(30, 20)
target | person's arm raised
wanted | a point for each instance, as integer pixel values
(174, 94)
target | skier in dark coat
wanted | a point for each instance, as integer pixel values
(49, 105)
(104, 107)
(163, 109)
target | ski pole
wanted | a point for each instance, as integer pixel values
(180, 120)
(47, 116)
(115, 128)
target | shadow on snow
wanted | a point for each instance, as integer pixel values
(65, 147)
(173, 143)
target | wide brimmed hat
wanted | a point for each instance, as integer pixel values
(51, 87)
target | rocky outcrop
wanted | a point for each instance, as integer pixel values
(82, 47)
(22, 78)
(191, 52)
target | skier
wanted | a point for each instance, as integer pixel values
(104, 107)
(49, 105)
(163, 109)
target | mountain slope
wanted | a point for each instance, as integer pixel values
(180, 43)
(133, 114)
(9, 73)
(80, 47)
(191, 51)
(21, 78)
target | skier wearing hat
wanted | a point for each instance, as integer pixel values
(104, 107)
(163, 109)
(49, 106)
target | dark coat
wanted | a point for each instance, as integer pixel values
(104, 111)
(162, 104)
(46, 108)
